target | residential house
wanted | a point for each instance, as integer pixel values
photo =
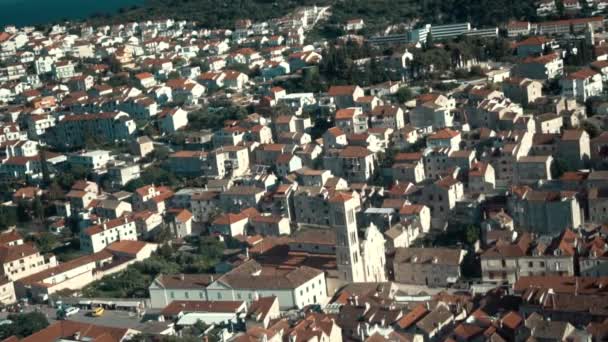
(351, 120)
(543, 211)
(97, 237)
(531, 169)
(434, 267)
(445, 138)
(172, 119)
(151, 197)
(353, 163)
(230, 224)
(272, 225)
(240, 197)
(545, 67)
(345, 96)
(507, 261)
(433, 111)
(522, 90)
(387, 116)
(582, 84)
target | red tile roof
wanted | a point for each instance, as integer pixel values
(16, 252)
(128, 247)
(581, 74)
(341, 90)
(229, 218)
(67, 329)
(445, 133)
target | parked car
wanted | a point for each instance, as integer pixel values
(72, 310)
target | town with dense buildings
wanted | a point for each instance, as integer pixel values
(165, 181)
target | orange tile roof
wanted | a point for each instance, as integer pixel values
(340, 197)
(341, 90)
(445, 133)
(345, 114)
(412, 317)
(129, 247)
(66, 330)
(229, 218)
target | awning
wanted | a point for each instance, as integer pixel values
(103, 302)
(128, 304)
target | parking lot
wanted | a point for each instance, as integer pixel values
(110, 318)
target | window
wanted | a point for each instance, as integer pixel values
(351, 217)
(172, 294)
(187, 295)
(219, 295)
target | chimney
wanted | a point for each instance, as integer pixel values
(247, 253)
(181, 276)
(77, 336)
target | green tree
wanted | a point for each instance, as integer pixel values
(23, 325)
(8, 217)
(38, 209)
(46, 242)
(23, 209)
(55, 192)
(210, 248)
(591, 129)
(404, 94)
(471, 234)
(44, 166)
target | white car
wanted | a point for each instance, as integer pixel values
(72, 310)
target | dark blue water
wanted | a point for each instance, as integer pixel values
(31, 12)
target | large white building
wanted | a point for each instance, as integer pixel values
(294, 288)
(96, 238)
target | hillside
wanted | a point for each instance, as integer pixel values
(377, 13)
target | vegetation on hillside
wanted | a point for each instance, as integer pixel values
(376, 13)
